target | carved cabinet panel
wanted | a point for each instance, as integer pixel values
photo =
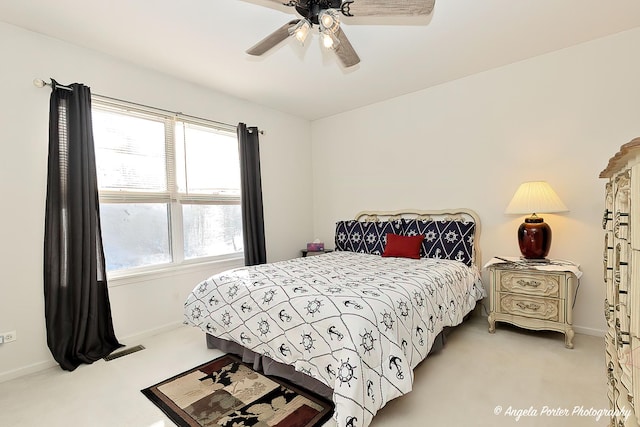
(621, 262)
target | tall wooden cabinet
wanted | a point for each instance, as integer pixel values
(621, 223)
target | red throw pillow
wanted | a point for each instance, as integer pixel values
(403, 246)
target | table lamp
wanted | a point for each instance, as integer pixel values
(534, 235)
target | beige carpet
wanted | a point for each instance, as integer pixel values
(460, 386)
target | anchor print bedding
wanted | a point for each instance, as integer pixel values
(358, 323)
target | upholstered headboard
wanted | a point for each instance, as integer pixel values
(412, 221)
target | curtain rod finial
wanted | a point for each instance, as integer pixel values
(39, 83)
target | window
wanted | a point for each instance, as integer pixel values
(169, 188)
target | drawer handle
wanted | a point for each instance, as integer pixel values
(622, 342)
(605, 218)
(532, 306)
(530, 283)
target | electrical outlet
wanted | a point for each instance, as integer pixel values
(7, 337)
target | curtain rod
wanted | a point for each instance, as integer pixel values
(41, 83)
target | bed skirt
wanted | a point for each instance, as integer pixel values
(269, 366)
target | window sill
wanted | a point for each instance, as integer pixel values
(122, 279)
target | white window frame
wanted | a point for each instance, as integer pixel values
(173, 198)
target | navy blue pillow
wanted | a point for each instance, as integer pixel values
(443, 239)
(365, 237)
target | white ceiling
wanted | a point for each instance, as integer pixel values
(204, 41)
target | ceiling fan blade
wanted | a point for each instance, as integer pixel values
(285, 2)
(345, 51)
(272, 39)
(387, 7)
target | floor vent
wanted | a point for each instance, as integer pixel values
(124, 352)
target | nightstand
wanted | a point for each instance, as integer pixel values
(533, 295)
(306, 253)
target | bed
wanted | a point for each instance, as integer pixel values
(350, 324)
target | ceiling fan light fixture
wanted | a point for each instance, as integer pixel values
(326, 15)
(329, 40)
(329, 20)
(301, 30)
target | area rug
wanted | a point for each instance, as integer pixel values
(226, 392)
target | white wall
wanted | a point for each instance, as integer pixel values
(468, 143)
(471, 142)
(146, 305)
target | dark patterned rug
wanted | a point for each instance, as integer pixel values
(226, 392)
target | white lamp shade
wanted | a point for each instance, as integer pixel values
(535, 197)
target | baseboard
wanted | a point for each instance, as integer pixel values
(132, 339)
(589, 331)
(48, 364)
(26, 370)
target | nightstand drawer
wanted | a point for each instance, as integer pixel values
(533, 307)
(531, 283)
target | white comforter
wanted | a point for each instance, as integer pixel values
(358, 323)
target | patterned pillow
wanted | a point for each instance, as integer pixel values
(365, 237)
(443, 239)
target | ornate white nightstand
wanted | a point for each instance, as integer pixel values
(533, 295)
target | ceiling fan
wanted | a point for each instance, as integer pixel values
(326, 15)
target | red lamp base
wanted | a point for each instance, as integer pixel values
(534, 238)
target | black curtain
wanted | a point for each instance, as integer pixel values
(77, 308)
(251, 192)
